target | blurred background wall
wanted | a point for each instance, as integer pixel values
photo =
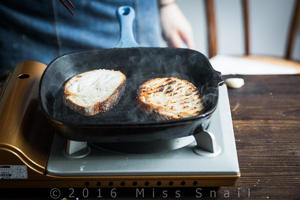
(269, 22)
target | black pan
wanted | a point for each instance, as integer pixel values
(125, 122)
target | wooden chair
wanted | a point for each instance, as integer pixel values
(213, 44)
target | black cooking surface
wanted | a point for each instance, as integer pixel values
(139, 65)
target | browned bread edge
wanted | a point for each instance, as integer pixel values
(99, 107)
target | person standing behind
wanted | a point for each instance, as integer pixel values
(42, 30)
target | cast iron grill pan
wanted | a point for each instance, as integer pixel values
(126, 122)
(139, 65)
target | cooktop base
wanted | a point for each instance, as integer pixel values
(188, 160)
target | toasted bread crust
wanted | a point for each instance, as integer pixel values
(180, 98)
(99, 107)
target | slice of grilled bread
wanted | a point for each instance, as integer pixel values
(170, 98)
(95, 91)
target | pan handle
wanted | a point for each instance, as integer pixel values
(220, 81)
(126, 16)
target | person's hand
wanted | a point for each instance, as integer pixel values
(176, 28)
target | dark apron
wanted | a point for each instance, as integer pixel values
(42, 30)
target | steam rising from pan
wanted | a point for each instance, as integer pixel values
(139, 65)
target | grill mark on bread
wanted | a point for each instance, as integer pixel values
(169, 83)
(168, 91)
